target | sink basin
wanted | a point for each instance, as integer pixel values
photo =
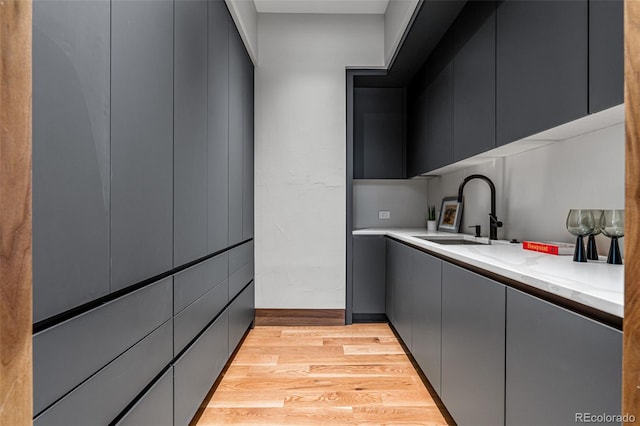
(452, 241)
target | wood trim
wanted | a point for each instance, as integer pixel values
(299, 317)
(16, 387)
(631, 339)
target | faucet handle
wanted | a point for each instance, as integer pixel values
(477, 229)
(495, 222)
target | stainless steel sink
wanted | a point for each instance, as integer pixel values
(452, 241)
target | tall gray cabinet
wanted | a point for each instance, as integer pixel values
(143, 207)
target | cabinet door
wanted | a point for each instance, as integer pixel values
(71, 186)
(141, 140)
(399, 282)
(378, 133)
(558, 364)
(241, 315)
(368, 274)
(426, 314)
(541, 66)
(218, 119)
(473, 347)
(190, 131)
(247, 152)
(236, 128)
(606, 54)
(474, 80)
(417, 131)
(155, 408)
(439, 116)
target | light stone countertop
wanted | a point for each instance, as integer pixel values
(595, 283)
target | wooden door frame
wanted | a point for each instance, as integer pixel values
(16, 387)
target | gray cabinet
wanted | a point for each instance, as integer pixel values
(99, 399)
(71, 154)
(439, 119)
(541, 57)
(369, 274)
(606, 54)
(398, 276)
(218, 125)
(236, 128)
(426, 315)
(248, 152)
(197, 369)
(141, 140)
(473, 347)
(558, 364)
(190, 145)
(241, 315)
(241, 268)
(474, 80)
(155, 408)
(378, 134)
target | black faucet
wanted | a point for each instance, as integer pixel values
(494, 223)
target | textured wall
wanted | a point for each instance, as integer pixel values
(301, 153)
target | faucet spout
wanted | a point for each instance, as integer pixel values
(494, 223)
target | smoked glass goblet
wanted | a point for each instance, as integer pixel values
(580, 223)
(592, 250)
(612, 225)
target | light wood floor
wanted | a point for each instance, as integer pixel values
(356, 374)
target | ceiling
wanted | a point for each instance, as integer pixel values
(322, 6)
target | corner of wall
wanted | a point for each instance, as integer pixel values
(245, 16)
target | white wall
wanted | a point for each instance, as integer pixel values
(300, 147)
(536, 188)
(396, 19)
(406, 200)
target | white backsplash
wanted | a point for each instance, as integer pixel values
(536, 188)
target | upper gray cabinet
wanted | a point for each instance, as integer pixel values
(141, 140)
(606, 54)
(248, 152)
(190, 145)
(218, 122)
(378, 135)
(71, 185)
(236, 130)
(474, 80)
(558, 364)
(542, 72)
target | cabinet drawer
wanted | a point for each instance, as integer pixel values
(192, 319)
(241, 268)
(239, 279)
(197, 369)
(193, 282)
(155, 408)
(67, 354)
(241, 314)
(240, 256)
(101, 398)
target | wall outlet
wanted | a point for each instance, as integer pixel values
(384, 214)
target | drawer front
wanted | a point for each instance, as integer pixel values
(67, 354)
(192, 283)
(240, 279)
(241, 314)
(155, 408)
(197, 369)
(101, 398)
(188, 323)
(240, 256)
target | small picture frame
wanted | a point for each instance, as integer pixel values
(450, 215)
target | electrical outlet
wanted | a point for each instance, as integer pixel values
(384, 214)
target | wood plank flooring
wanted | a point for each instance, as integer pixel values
(329, 375)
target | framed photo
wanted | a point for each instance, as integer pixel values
(450, 215)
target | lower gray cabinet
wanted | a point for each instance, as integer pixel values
(473, 347)
(241, 268)
(241, 315)
(197, 369)
(426, 315)
(558, 364)
(99, 399)
(368, 274)
(399, 282)
(155, 408)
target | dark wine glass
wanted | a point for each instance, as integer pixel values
(612, 225)
(592, 250)
(580, 223)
